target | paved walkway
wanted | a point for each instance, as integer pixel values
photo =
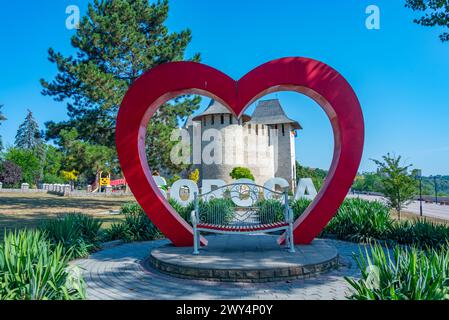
(116, 273)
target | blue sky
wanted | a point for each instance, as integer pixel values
(400, 72)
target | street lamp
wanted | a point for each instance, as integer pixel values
(419, 175)
(436, 189)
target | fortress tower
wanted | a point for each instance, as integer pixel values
(271, 114)
(264, 143)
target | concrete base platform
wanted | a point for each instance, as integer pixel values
(244, 258)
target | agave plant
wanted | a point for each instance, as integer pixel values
(31, 268)
(407, 274)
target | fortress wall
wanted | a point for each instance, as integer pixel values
(229, 151)
(285, 155)
(238, 149)
(259, 156)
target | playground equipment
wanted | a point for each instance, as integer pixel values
(105, 181)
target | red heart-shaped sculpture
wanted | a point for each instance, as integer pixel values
(310, 77)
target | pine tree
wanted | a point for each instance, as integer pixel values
(117, 41)
(28, 136)
(435, 13)
(2, 118)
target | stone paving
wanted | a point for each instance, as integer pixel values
(245, 258)
(117, 274)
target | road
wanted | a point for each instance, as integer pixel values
(429, 209)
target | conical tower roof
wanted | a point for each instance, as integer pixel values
(270, 112)
(216, 107)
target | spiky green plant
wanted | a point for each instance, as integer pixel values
(31, 268)
(184, 212)
(135, 227)
(77, 233)
(421, 232)
(140, 228)
(130, 207)
(410, 274)
(271, 211)
(361, 221)
(117, 231)
(299, 206)
(217, 211)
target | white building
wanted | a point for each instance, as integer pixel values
(263, 142)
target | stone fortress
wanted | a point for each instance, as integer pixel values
(263, 142)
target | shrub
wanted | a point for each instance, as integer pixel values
(241, 173)
(52, 178)
(216, 211)
(184, 212)
(411, 274)
(364, 221)
(271, 211)
(131, 207)
(299, 206)
(117, 231)
(140, 228)
(31, 268)
(136, 226)
(420, 233)
(361, 221)
(77, 233)
(89, 227)
(10, 174)
(28, 163)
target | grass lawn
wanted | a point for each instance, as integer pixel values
(18, 210)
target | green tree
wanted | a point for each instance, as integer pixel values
(52, 165)
(317, 175)
(28, 136)
(2, 118)
(368, 182)
(28, 163)
(436, 13)
(241, 173)
(398, 185)
(86, 158)
(117, 41)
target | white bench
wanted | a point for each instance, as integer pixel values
(248, 219)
